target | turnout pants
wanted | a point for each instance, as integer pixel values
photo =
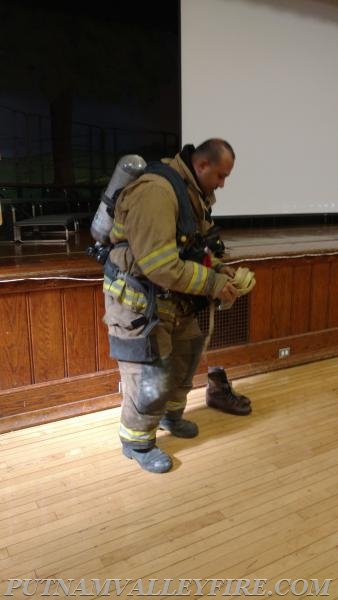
(152, 390)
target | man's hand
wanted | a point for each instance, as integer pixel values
(241, 278)
(228, 295)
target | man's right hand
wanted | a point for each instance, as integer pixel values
(228, 295)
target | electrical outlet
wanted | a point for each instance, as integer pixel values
(284, 352)
(120, 387)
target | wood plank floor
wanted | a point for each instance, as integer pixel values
(250, 498)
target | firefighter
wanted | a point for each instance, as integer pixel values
(158, 274)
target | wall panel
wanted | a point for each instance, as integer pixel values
(80, 330)
(301, 294)
(332, 293)
(281, 299)
(48, 353)
(15, 354)
(102, 345)
(319, 296)
(260, 304)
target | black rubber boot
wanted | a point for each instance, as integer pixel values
(179, 427)
(220, 394)
(152, 459)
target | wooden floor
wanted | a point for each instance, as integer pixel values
(253, 497)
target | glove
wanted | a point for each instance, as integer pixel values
(243, 280)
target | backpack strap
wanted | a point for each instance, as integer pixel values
(186, 222)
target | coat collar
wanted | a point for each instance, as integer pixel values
(182, 163)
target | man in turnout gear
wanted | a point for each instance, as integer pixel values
(154, 282)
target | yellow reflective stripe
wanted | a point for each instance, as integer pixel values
(132, 435)
(158, 258)
(118, 230)
(198, 280)
(133, 299)
(173, 405)
(114, 286)
(124, 294)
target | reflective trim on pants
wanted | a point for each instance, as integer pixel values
(131, 435)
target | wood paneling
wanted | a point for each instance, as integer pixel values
(48, 353)
(27, 406)
(293, 296)
(15, 350)
(80, 331)
(332, 293)
(301, 293)
(281, 297)
(104, 361)
(263, 356)
(320, 285)
(260, 304)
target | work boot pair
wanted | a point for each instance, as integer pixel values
(221, 395)
(154, 459)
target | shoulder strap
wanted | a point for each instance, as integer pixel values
(186, 222)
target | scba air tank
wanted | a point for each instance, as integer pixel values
(128, 168)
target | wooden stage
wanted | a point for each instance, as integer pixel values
(53, 343)
(241, 244)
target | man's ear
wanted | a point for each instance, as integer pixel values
(201, 164)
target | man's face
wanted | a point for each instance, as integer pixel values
(212, 175)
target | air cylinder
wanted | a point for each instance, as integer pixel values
(128, 168)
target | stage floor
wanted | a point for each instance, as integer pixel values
(241, 244)
(280, 242)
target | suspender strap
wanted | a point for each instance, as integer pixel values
(186, 222)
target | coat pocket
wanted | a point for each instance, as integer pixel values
(141, 347)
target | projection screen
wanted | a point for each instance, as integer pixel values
(263, 74)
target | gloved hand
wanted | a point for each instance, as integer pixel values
(243, 280)
(228, 295)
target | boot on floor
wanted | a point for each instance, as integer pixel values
(179, 427)
(153, 459)
(221, 395)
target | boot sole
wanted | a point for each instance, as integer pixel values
(230, 411)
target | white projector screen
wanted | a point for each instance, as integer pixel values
(263, 74)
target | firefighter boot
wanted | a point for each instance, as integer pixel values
(151, 459)
(179, 427)
(220, 394)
